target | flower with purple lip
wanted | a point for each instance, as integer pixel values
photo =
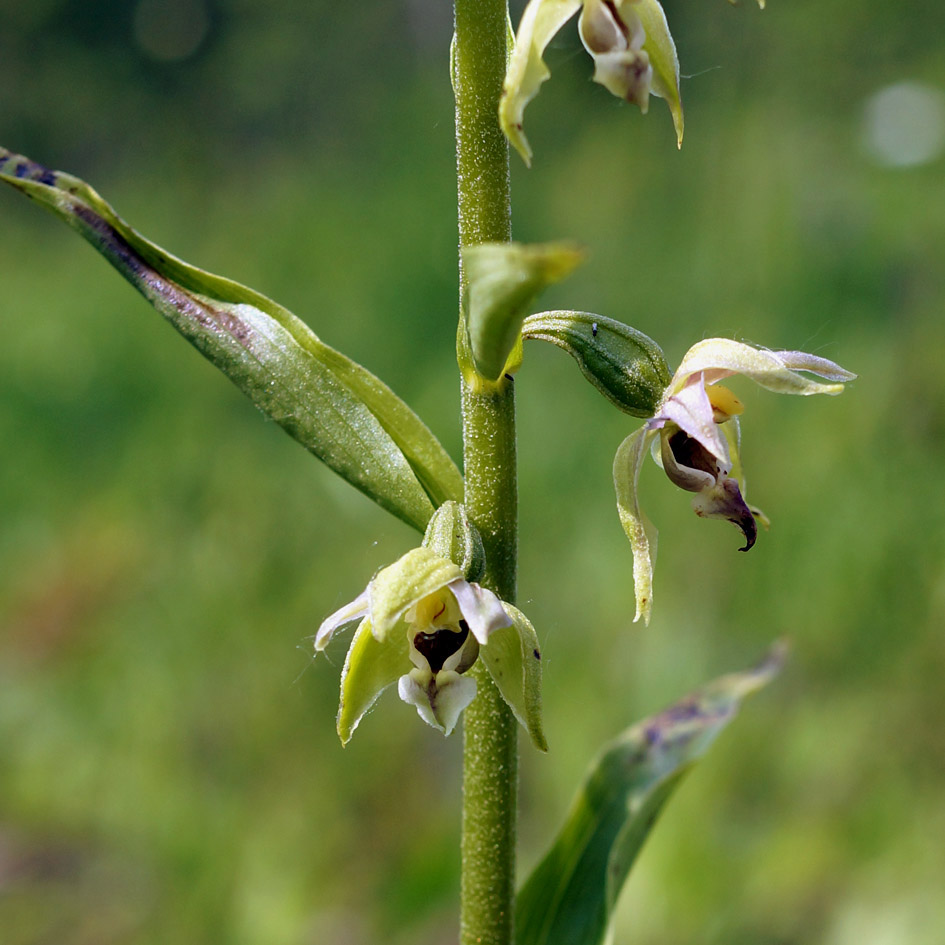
(698, 440)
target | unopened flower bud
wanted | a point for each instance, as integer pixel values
(451, 535)
(626, 366)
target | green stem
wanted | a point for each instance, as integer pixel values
(490, 750)
(490, 746)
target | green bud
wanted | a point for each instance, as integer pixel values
(626, 366)
(503, 280)
(451, 535)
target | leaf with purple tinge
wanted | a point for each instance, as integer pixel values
(334, 407)
(569, 898)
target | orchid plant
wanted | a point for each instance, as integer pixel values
(440, 622)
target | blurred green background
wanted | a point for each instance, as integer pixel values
(169, 770)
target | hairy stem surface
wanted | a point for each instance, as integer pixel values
(490, 752)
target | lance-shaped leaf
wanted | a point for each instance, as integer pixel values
(503, 280)
(570, 896)
(334, 407)
(626, 366)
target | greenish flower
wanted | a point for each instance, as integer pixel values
(630, 43)
(423, 625)
(694, 436)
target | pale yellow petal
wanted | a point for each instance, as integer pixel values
(398, 587)
(627, 465)
(718, 358)
(527, 70)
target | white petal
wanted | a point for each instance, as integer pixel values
(614, 38)
(627, 74)
(717, 358)
(627, 465)
(801, 361)
(411, 692)
(606, 29)
(481, 609)
(464, 657)
(441, 702)
(354, 610)
(691, 411)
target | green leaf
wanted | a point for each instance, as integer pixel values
(503, 280)
(570, 896)
(626, 366)
(334, 407)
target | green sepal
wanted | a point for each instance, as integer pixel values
(452, 536)
(526, 69)
(396, 588)
(370, 667)
(628, 462)
(661, 49)
(626, 366)
(513, 659)
(570, 896)
(334, 407)
(503, 279)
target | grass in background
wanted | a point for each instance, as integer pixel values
(168, 764)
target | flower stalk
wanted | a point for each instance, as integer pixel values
(490, 752)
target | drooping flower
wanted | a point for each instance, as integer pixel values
(696, 423)
(423, 625)
(630, 43)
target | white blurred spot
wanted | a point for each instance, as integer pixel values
(884, 919)
(904, 124)
(169, 30)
